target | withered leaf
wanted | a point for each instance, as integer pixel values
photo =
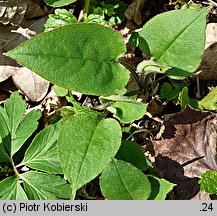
(16, 12)
(208, 65)
(187, 149)
(32, 85)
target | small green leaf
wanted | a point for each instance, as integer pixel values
(125, 109)
(43, 186)
(10, 189)
(60, 91)
(179, 46)
(42, 153)
(86, 145)
(15, 108)
(122, 181)
(132, 153)
(171, 91)
(86, 64)
(59, 3)
(208, 182)
(60, 18)
(183, 97)
(210, 101)
(159, 188)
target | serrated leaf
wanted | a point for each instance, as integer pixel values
(43, 186)
(76, 62)
(208, 182)
(5, 138)
(122, 181)
(42, 153)
(16, 129)
(60, 18)
(59, 3)
(86, 145)
(210, 101)
(159, 188)
(132, 153)
(10, 189)
(177, 39)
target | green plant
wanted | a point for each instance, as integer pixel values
(90, 142)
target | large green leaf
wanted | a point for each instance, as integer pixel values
(80, 57)
(176, 38)
(208, 182)
(10, 189)
(43, 186)
(42, 153)
(122, 181)
(59, 3)
(86, 145)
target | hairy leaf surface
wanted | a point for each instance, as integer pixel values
(80, 57)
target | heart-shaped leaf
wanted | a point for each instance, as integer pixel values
(80, 57)
(86, 145)
(122, 181)
(168, 38)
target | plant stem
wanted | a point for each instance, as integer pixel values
(86, 9)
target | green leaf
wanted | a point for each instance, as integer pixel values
(43, 186)
(59, 3)
(60, 18)
(171, 91)
(15, 108)
(5, 137)
(42, 153)
(28, 125)
(60, 91)
(159, 188)
(10, 189)
(179, 46)
(122, 181)
(86, 64)
(208, 182)
(183, 97)
(15, 129)
(86, 145)
(125, 109)
(210, 101)
(132, 153)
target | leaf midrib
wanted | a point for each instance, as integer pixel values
(178, 35)
(122, 181)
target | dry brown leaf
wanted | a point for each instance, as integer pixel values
(17, 12)
(11, 37)
(208, 65)
(187, 149)
(134, 11)
(32, 85)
